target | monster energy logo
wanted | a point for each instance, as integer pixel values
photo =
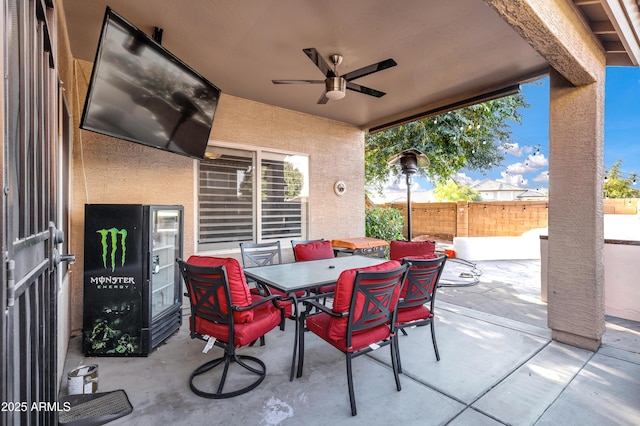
(113, 234)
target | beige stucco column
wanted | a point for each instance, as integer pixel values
(575, 277)
(576, 242)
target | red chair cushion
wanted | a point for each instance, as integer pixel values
(342, 298)
(413, 314)
(288, 309)
(313, 251)
(401, 249)
(330, 288)
(265, 318)
(320, 325)
(240, 294)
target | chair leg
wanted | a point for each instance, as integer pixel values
(397, 349)
(227, 359)
(395, 360)
(262, 342)
(433, 339)
(300, 337)
(352, 396)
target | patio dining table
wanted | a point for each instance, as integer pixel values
(293, 277)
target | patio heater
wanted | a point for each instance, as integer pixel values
(410, 161)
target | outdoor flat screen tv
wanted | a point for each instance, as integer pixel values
(142, 93)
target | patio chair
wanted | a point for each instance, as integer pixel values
(264, 254)
(362, 318)
(400, 249)
(225, 314)
(305, 250)
(260, 254)
(418, 291)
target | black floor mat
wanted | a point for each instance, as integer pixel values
(94, 409)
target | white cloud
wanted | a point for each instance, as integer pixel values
(398, 183)
(533, 163)
(463, 179)
(395, 190)
(513, 179)
(538, 161)
(513, 148)
(542, 177)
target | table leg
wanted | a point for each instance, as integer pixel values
(296, 315)
(301, 339)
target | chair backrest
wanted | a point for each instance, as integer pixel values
(213, 284)
(369, 295)
(294, 243)
(260, 254)
(312, 250)
(209, 296)
(421, 283)
(401, 249)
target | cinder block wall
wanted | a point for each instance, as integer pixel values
(506, 218)
(437, 220)
(486, 219)
(621, 206)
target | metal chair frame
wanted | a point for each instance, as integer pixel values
(421, 286)
(378, 290)
(206, 281)
(260, 254)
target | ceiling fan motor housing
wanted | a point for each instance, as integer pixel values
(336, 87)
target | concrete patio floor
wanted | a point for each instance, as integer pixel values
(498, 366)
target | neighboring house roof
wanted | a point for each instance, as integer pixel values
(493, 185)
(532, 194)
(390, 197)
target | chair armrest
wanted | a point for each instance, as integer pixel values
(324, 308)
(273, 297)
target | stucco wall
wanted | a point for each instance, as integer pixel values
(108, 170)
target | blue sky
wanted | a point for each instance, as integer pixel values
(527, 162)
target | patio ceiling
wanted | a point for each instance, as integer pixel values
(446, 51)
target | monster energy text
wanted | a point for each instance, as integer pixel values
(113, 234)
(111, 282)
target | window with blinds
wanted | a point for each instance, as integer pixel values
(236, 203)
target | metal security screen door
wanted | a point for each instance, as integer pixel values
(28, 331)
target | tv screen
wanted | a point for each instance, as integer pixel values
(142, 93)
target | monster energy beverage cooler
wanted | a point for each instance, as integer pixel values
(132, 297)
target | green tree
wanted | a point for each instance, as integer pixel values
(294, 180)
(615, 186)
(453, 191)
(384, 223)
(469, 138)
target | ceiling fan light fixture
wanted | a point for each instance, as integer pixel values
(336, 88)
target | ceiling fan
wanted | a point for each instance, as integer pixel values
(336, 84)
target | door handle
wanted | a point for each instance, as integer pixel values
(69, 258)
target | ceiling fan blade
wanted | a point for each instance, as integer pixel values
(297, 81)
(366, 90)
(383, 65)
(323, 99)
(317, 59)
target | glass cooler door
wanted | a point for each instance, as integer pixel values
(166, 226)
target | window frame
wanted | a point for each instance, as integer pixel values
(258, 153)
